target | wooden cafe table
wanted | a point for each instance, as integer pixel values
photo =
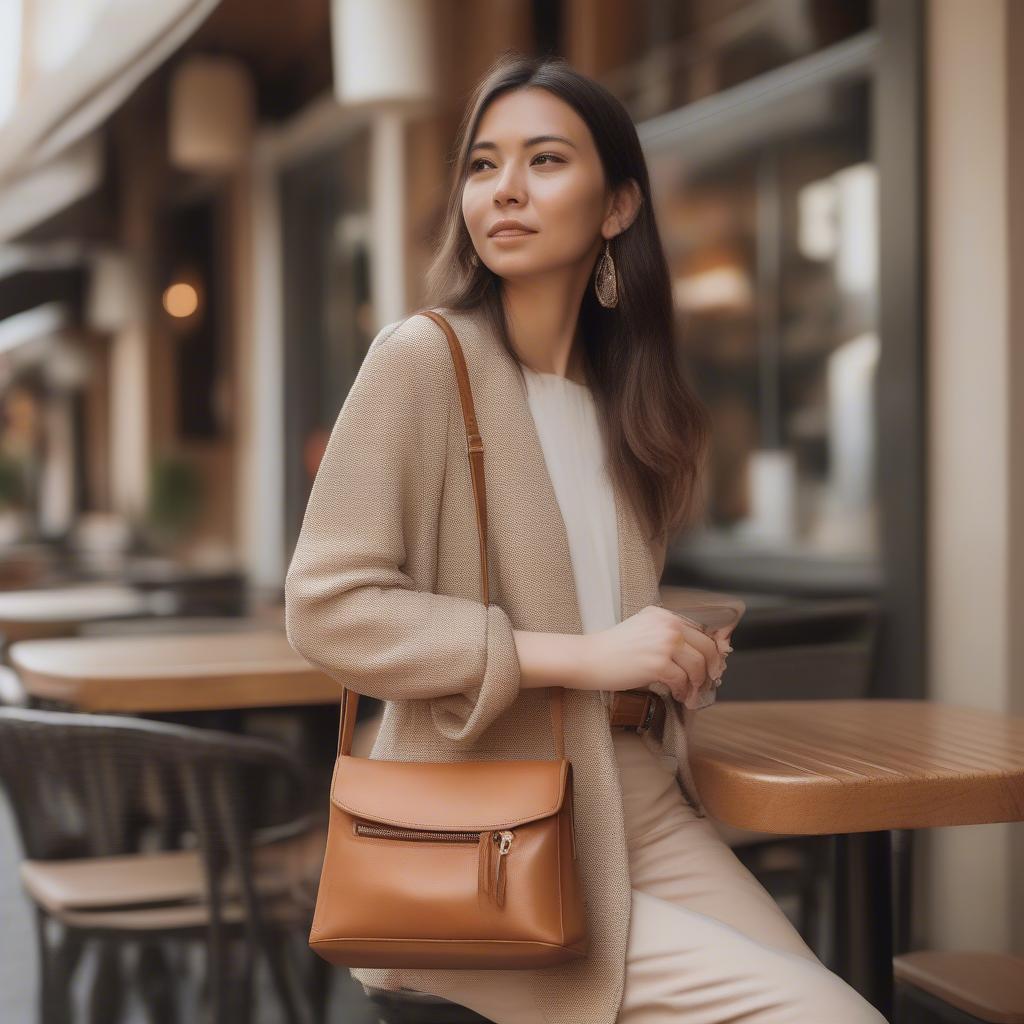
(58, 611)
(171, 672)
(856, 769)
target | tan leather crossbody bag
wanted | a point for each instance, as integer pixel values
(464, 864)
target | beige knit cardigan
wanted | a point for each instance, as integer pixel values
(383, 593)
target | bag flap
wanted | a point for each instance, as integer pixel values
(455, 796)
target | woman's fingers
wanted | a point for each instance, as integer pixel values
(704, 643)
(676, 675)
(723, 638)
(692, 660)
(678, 681)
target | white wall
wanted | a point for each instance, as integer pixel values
(974, 599)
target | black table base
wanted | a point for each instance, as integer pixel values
(863, 915)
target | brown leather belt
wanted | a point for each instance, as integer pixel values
(636, 709)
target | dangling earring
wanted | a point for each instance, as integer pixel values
(474, 259)
(606, 284)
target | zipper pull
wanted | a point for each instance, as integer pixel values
(491, 877)
(502, 872)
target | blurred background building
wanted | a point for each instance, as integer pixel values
(207, 209)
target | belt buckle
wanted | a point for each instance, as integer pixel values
(648, 715)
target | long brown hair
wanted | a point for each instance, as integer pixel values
(655, 427)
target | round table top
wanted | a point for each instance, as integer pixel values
(172, 672)
(819, 767)
(28, 613)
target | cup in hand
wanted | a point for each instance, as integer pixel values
(718, 621)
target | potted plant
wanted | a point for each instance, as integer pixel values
(175, 501)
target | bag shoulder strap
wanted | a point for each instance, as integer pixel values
(475, 446)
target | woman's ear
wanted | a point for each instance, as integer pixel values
(626, 204)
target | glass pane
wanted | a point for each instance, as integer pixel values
(328, 319)
(771, 237)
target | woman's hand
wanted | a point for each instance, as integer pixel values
(655, 644)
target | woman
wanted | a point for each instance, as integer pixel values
(594, 444)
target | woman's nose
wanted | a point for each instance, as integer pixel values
(509, 188)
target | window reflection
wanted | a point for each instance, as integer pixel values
(769, 220)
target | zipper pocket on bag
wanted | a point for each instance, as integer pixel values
(364, 828)
(493, 846)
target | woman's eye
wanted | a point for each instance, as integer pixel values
(480, 162)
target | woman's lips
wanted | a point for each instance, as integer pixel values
(512, 233)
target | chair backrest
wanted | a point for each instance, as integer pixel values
(805, 650)
(84, 785)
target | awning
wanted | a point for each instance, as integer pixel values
(32, 326)
(33, 196)
(126, 43)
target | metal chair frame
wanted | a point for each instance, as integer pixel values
(77, 788)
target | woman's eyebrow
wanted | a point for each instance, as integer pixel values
(536, 140)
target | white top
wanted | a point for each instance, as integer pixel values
(566, 418)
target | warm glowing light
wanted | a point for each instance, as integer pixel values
(724, 287)
(181, 300)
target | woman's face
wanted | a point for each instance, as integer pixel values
(533, 160)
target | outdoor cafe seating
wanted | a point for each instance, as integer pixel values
(169, 848)
(150, 832)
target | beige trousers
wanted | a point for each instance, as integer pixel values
(707, 943)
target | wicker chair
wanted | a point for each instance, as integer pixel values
(136, 830)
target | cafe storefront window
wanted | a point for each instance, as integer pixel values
(785, 148)
(770, 223)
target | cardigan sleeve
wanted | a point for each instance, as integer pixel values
(351, 606)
